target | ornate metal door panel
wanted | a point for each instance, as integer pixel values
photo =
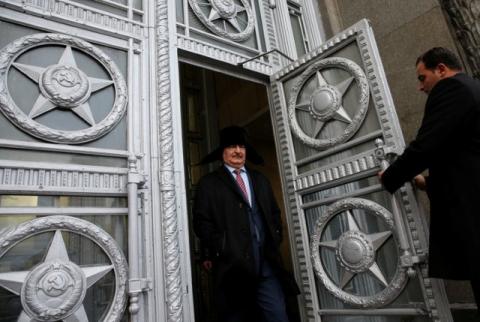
(358, 251)
(55, 289)
(71, 105)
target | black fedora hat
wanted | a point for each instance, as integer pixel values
(233, 135)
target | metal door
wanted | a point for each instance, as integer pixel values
(71, 166)
(359, 253)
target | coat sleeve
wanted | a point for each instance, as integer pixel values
(276, 214)
(268, 203)
(446, 109)
(204, 223)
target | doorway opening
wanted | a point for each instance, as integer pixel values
(211, 101)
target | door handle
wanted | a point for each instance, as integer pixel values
(406, 258)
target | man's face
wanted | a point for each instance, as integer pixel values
(234, 156)
(428, 78)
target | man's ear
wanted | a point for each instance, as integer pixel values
(443, 69)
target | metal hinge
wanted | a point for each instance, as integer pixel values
(410, 260)
(138, 178)
(138, 285)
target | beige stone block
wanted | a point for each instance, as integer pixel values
(399, 51)
(385, 15)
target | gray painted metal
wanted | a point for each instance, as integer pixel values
(62, 85)
(63, 283)
(356, 253)
(74, 178)
(353, 161)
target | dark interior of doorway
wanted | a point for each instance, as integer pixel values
(210, 101)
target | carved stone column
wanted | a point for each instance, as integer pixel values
(173, 281)
(465, 18)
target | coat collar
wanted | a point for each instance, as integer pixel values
(223, 173)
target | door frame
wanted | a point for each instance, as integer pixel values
(181, 189)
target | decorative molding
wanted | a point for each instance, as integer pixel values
(413, 230)
(325, 103)
(269, 31)
(168, 206)
(355, 251)
(381, 96)
(58, 265)
(40, 146)
(284, 32)
(25, 122)
(225, 12)
(295, 218)
(339, 148)
(360, 163)
(227, 56)
(70, 211)
(314, 31)
(464, 16)
(349, 33)
(77, 14)
(42, 179)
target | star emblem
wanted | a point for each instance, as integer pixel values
(55, 288)
(356, 250)
(325, 104)
(227, 10)
(63, 85)
(232, 19)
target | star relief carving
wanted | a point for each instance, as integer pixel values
(54, 289)
(317, 104)
(63, 85)
(356, 250)
(355, 253)
(232, 19)
(325, 103)
(227, 10)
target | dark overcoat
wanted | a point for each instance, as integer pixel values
(221, 222)
(448, 145)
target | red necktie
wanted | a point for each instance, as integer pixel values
(240, 183)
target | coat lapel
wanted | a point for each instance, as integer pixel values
(230, 182)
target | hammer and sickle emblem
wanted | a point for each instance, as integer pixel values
(66, 78)
(56, 282)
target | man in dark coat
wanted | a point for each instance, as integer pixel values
(448, 145)
(238, 223)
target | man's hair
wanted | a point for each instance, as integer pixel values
(437, 55)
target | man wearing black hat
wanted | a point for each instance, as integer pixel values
(238, 223)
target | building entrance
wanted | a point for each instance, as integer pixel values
(329, 124)
(212, 101)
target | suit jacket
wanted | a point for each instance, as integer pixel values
(221, 222)
(448, 145)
